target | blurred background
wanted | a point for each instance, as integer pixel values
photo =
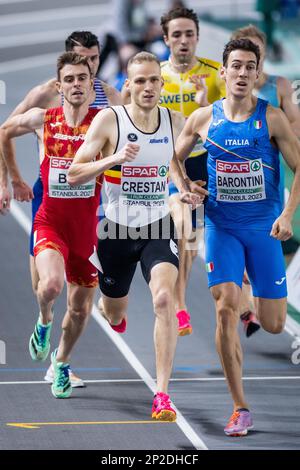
(34, 28)
(32, 35)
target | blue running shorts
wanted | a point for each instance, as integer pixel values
(35, 204)
(229, 252)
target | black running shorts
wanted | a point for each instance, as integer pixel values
(120, 248)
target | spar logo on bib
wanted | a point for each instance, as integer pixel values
(255, 166)
(163, 170)
(139, 171)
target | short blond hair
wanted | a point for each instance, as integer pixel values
(141, 57)
(249, 31)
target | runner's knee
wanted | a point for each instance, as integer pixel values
(162, 300)
(80, 314)
(274, 327)
(51, 287)
(226, 315)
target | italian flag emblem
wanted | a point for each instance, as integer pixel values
(257, 124)
(209, 267)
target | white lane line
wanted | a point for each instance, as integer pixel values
(56, 14)
(8, 2)
(20, 217)
(102, 12)
(292, 327)
(28, 63)
(39, 37)
(195, 379)
(123, 347)
(145, 376)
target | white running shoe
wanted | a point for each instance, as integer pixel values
(75, 380)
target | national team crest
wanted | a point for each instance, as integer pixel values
(209, 267)
(258, 124)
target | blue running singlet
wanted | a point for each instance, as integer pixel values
(243, 203)
(243, 169)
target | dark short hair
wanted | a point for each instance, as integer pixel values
(81, 38)
(240, 44)
(71, 58)
(178, 13)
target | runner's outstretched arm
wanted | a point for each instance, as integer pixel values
(178, 177)
(196, 125)
(16, 126)
(41, 96)
(101, 137)
(280, 129)
(5, 195)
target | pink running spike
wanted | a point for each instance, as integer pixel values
(239, 423)
(161, 408)
(184, 325)
(121, 327)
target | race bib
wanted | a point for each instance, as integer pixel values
(143, 186)
(240, 181)
(58, 186)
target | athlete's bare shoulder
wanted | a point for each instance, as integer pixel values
(199, 121)
(114, 96)
(273, 112)
(42, 96)
(105, 122)
(284, 86)
(201, 116)
(178, 121)
(276, 120)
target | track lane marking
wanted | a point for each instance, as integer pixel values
(122, 346)
(187, 379)
(83, 423)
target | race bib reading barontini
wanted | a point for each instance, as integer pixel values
(240, 181)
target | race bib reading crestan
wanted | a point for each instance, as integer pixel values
(143, 186)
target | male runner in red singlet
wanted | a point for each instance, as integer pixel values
(62, 241)
(46, 95)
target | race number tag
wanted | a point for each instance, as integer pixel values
(58, 186)
(240, 181)
(143, 186)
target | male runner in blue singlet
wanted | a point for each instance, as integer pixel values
(244, 220)
(278, 92)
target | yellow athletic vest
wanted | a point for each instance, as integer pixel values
(179, 93)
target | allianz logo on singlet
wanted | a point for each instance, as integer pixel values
(164, 140)
(236, 142)
(74, 138)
